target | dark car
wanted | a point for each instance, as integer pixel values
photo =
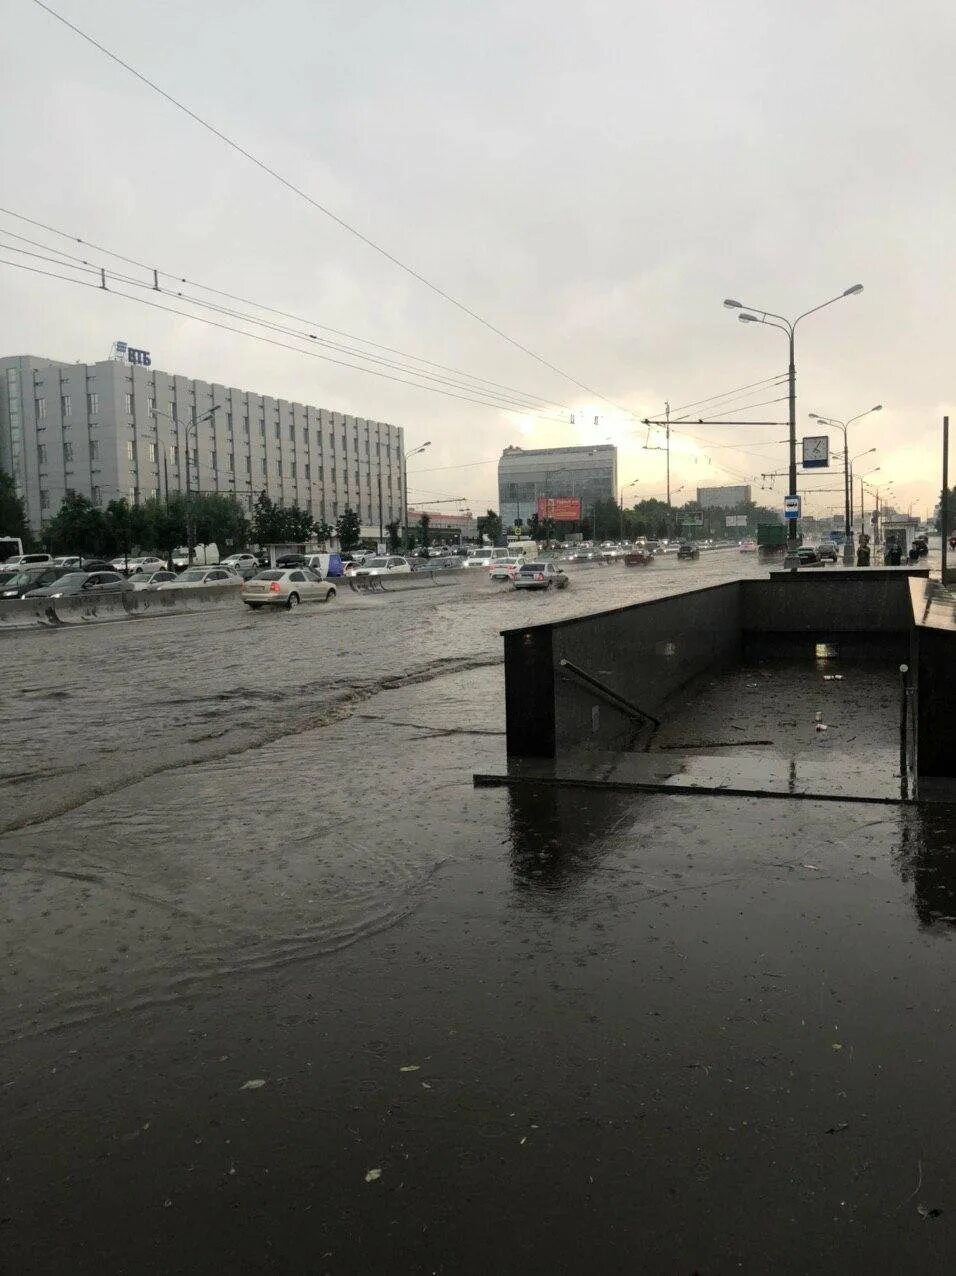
(94, 565)
(74, 583)
(292, 560)
(688, 550)
(808, 556)
(29, 578)
(828, 552)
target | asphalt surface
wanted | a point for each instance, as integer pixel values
(283, 992)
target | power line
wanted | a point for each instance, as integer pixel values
(250, 302)
(504, 401)
(724, 394)
(339, 221)
(283, 345)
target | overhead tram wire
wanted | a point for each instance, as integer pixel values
(778, 378)
(327, 212)
(490, 398)
(76, 239)
(509, 401)
(282, 345)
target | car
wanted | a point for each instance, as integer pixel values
(246, 564)
(145, 562)
(540, 576)
(291, 560)
(194, 577)
(19, 582)
(384, 567)
(808, 556)
(29, 560)
(286, 587)
(73, 561)
(828, 552)
(73, 583)
(688, 550)
(505, 568)
(151, 580)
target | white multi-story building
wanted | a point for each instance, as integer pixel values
(526, 475)
(117, 429)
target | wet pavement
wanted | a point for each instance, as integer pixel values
(283, 992)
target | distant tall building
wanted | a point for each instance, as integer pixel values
(119, 429)
(528, 475)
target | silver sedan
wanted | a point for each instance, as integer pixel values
(286, 587)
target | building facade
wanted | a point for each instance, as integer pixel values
(526, 475)
(113, 429)
(452, 528)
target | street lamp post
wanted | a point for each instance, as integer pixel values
(194, 425)
(412, 452)
(633, 483)
(788, 326)
(847, 493)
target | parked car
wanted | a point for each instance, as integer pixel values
(828, 552)
(292, 560)
(246, 564)
(152, 580)
(385, 567)
(19, 582)
(540, 576)
(808, 556)
(286, 587)
(687, 549)
(71, 561)
(193, 577)
(82, 583)
(29, 560)
(144, 562)
(505, 569)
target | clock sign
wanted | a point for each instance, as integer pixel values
(816, 451)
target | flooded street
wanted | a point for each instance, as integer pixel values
(282, 991)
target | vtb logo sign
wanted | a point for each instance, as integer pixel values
(141, 357)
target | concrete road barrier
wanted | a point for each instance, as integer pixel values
(80, 610)
(26, 613)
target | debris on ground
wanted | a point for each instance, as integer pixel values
(255, 1084)
(410, 1067)
(373, 1176)
(924, 1211)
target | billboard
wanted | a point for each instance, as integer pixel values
(709, 498)
(736, 520)
(561, 509)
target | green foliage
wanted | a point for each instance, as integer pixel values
(13, 518)
(77, 527)
(349, 529)
(489, 524)
(394, 537)
(424, 535)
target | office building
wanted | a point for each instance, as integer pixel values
(559, 474)
(121, 429)
(445, 527)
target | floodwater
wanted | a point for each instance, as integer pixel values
(282, 992)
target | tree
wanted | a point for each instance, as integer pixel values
(323, 531)
(534, 527)
(77, 527)
(394, 537)
(266, 521)
(297, 524)
(423, 530)
(13, 518)
(489, 525)
(349, 529)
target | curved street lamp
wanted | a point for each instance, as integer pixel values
(847, 486)
(753, 314)
(404, 477)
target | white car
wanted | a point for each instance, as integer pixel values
(505, 569)
(286, 587)
(245, 564)
(143, 563)
(193, 577)
(384, 567)
(540, 576)
(153, 580)
(485, 557)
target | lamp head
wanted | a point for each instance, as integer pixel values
(746, 317)
(733, 305)
(878, 408)
(852, 292)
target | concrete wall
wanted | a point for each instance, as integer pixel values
(644, 653)
(933, 681)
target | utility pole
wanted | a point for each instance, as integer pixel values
(944, 501)
(667, 446)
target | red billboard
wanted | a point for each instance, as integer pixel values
(560, 509)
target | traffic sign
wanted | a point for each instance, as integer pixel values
(791, 508)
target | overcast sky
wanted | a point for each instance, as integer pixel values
(592, 178)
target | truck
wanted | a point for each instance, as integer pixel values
(771, 538)
(10, 547)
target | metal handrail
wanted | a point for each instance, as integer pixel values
(607, 693)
